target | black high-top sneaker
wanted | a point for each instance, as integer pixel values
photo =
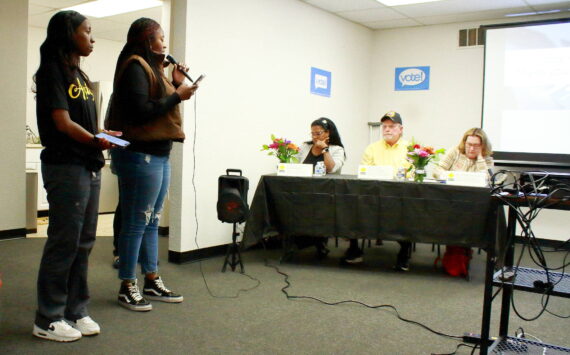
(130, 298)
(155, 290)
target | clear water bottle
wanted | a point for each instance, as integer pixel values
(320, 169)
(401, 174)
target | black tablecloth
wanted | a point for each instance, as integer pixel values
(344, 206)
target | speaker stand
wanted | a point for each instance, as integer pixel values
(234, 254)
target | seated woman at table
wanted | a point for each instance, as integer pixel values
(473, 154)
(325, 146)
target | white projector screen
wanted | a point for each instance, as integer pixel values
(526, 98)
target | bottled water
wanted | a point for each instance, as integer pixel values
(401, 174)
(320, 169)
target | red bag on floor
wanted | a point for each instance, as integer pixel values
(456, 260)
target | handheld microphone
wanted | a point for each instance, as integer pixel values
(173, 61)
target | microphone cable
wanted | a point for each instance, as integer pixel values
(196, 214)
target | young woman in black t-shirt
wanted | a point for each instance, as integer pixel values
(71, 163)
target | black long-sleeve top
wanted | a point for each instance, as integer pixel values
(136, 107)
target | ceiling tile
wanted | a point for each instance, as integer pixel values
(405, 22)
(564, 6)
(345, 5)
(547, 2)
(456, 6)
(371, 15)
(466, 17)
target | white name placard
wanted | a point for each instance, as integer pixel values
(464, 178)
(376, 172)
(284, 169)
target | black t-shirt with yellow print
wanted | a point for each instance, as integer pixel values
(55, 92)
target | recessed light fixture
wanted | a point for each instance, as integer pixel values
(104, 8)
(403, 2)
(533, 13)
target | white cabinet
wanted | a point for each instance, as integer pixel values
(109, 189)
(33, 163)
(109, 196)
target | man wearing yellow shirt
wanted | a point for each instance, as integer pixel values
(391, 150)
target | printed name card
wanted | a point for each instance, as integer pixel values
(378, 172)
(464, 178)
(294, 169)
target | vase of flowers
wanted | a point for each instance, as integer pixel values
(283, 149)
(419, 157)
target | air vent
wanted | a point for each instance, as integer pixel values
(471, 37)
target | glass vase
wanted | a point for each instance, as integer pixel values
(419, 175)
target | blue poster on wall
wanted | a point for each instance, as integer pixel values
(320, 82)
(412, 78)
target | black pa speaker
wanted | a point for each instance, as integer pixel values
(232, 197)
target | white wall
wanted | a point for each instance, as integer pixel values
(453, 102)
(99, 66)
(440, 115)
(13, 27)
(257, 55)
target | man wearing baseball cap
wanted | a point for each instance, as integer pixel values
(391, 150)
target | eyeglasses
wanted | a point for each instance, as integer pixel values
(317, 134)
(389, 126)
(474, 146)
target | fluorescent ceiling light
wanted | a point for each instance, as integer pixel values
(403, 2)
(104, 8)
(533, 13)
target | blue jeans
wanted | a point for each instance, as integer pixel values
(73, 196)
(143, 181)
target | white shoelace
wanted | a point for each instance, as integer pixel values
(160, 285)
(134, 292)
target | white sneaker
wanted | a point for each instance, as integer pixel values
(58, 331)
(87, 326)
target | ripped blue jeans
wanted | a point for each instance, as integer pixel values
(143, 180)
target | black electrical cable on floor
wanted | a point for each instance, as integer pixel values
(389, 306)
(474, 348)
(457, 348)
(196, 215)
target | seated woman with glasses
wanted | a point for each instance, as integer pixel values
(325, 146)
(473, 154)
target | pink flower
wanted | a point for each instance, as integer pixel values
(423, 154)
(274, 145)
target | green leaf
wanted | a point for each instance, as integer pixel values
(294, 160)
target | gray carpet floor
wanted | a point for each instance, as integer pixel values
(262, 320)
